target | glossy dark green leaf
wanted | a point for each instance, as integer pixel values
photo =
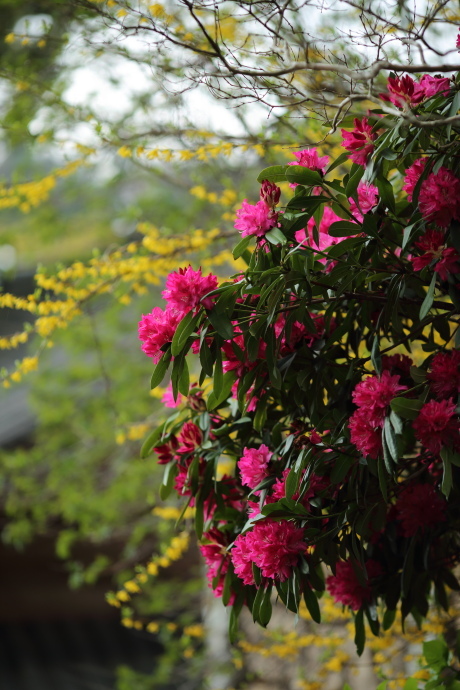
(311, 602)
(169, 474)
(160, 370)
(406, 408)
(446, 485)
(302, 175)
(360, 632)
(241, 247)
(274, 173)
(429, 297)
(221, 323)
(343, 228)
(183, 331)
(275, 236)
(151, 441)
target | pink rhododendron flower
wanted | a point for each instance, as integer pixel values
(368, 198)
(274, 547)
(412, 176)
(308, 158)
(253, 465)
(437, 425)
(157, 329)
(186, 289)
(446, 258)
(419, 506)
(434, 85)
(255, 219)
(457, 43)
(270, 193)
(189, 438)
(397, 364)
(366, 436)
(375, 393)
(306, 236)
(360, 141)
(403, 91)
(168, 397)
(217, 560)
(167, 450)
(445, 374)
(439, 198)
(345, 587)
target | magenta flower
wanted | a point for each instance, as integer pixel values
(368, 198)
(403, 91)
(186, 289)
(437, 425)
(189, 438)
(308, 158)
(365, 436)
(270, 193)
(445, 374)
(168, 398)
(157, 329)
(419, 506)
(412, 176)
(457, 42)
(439, 198)
(255, 219)
(360, 142)
(345, 587)
(253, 465)
(274, 547)
(375, 393)
(433, 245)
(434, 85)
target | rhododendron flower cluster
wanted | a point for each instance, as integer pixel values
(439, 198)
(274, 547)
(360, 142)
(313, 401)
(186, 289)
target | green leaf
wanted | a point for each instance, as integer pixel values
(376, 358)
(311, 602)
(199, 515)
(306, 203)
(275, 236)
(390, 439)
(338, 161)
(303, 175)
(241, 247)
(206, 358)
(184, 329)
(451, 456)
(411, 684)
(382, 685)
(343, 228)
(356, 173)
(221, 323)
(160, 370)
(428, 301)
(265, 610)
(183, 383)
(227, 383)
(168, 480)
(436, 653)
(386, 193)
(218, 379)
(388, 618)
(151, 440)
(274, 173)
(360, 632)
(405, 408)
(446, 485)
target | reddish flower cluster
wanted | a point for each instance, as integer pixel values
(412, 176)
(345, 586)
(253, 465)
(186, 290)
(308, 158)
(439, 198)
(437, 425)
(446, 259)
(373, 395)
(419, 506)
(360, 141)
(368, 198)
(157, 329)
(404, 91)
(445, 374)
(274, 547)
